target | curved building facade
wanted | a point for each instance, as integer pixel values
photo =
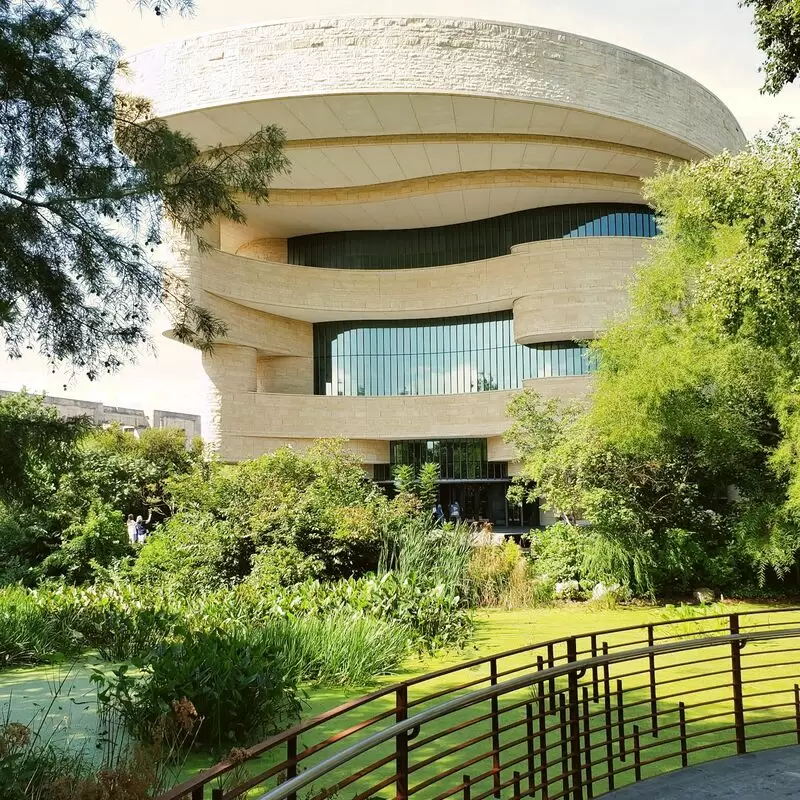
(462, 213)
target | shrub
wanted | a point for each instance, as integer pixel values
(121, 621)
(98, 541)
(319, 505)
(194, 548)
(558, 552)
(283, 566)
(236, 682)
(28, 633)
(26, 538)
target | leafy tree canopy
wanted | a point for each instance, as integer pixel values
(777, 24)
(36, 445)
(693, 434)
(87, 178)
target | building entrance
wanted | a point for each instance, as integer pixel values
(486, 501)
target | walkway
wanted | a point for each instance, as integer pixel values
(755, 776)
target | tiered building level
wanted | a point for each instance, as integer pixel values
(464, 208)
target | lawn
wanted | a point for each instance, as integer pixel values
(29, 692)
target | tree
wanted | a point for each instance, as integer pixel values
(36, 446)
(688, 452)
(127, 472)
(777, 23)
(87, 178)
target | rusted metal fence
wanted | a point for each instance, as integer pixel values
(570, 718)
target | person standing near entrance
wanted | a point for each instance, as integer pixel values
(455, 512)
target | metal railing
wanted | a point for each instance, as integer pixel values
(569, 718)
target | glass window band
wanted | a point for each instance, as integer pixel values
(448, 355)
(468, 241)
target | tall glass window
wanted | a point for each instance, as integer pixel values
(468, 241)
(457, 458)
(448, 355)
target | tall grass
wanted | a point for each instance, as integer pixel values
(440, 555)
(341, 649)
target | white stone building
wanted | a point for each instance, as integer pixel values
(463, 209)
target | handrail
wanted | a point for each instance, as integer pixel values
(290, 787)
(594, 639)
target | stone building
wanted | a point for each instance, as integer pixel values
(462, 212)
(131, 419)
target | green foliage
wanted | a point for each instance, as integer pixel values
(235, 680)
(36, 444)
(405, 482)
(28, 633)
(194, 548)
(289, 516)
(121, 622)
(99, 541)
(686, 462)
(558, 551)
(85, 182)
(61, 512)
(339, 648)
(440, 555)
(26, 539)
(129, 472)
(428, 485)
(778, 27)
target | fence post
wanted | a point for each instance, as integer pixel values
(198, 792)
(609, 725)
(495, 730)
(736, 680)
(797, 710)
(543, 741)
(587, 743)
(651, 659)
(682, 729)
(530, 736)
(401, 744)
(291, 762)
(574, 722)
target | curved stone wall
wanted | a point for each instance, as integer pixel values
(298, 418)
(433, 55)
(475, 287)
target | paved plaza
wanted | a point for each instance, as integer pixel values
(755, 776)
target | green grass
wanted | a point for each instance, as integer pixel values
(499, 631)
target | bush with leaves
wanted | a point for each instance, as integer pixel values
(30, 633)
(126, 471)
(237, 681)
(99, 541)
(288, 515)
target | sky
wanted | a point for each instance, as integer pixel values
(711, 40)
